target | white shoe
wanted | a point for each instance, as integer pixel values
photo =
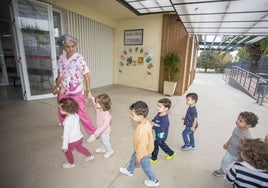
(100, 150)
(90, 158)
(125, 171)
(91, 138)
(68, 165)
(150, 183)
(108, 154)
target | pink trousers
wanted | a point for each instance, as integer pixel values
(82, 112)
(79, 147)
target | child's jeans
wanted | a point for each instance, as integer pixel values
(79, 147)
(226, 161)
(145, 165)
(188, 136)
(82, 112)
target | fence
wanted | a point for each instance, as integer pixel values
(255, 85)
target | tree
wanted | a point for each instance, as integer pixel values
(243, 54)
(253, 53)
(213, 60)
(264, 46)
(223, 58)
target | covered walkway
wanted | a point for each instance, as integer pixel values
(30, 139)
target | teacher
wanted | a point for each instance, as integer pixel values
(72, 72)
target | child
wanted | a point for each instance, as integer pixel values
(160, 125)
(72, 136)
(143, 144)
(252, 170)
(244, 121)
(102, 104)
(190, 122)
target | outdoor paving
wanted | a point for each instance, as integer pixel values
(30, 139)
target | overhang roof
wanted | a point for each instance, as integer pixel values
(223, 24)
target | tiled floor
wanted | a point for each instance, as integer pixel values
(30, 139)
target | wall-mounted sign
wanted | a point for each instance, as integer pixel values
(133, 37)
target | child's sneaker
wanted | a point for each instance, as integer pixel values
(153, 161)
(192, 146)
(89, 158)
(170, 156)
(108, 154)
(185, 147)
(125, 171)
(91, 138)
(68, 165)
(100, 150)
(218, 173)
(150, 183)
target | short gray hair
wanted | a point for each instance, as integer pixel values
(65, 39)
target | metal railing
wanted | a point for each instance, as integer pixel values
(254, 84)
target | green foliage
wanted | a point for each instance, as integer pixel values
(264, 46)
(213, 60)
(206, 60)
(254, 51)
(243, 54)
(171, 69)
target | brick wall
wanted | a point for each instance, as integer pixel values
(176, 39)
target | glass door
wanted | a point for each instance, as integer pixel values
(34, 27)
(3, 69)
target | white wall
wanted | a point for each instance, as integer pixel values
(95, 43)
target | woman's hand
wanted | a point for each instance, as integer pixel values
(89, 96)
(56, 90)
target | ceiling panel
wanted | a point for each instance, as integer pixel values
(235, 19)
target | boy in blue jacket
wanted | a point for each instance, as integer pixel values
(160, 125)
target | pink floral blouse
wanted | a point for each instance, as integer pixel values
(71, 73)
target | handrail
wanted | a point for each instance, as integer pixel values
(249, 81)
(249, 73)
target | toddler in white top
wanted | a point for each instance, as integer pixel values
(72, 135)
(102, 104)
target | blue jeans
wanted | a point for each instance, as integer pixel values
(188, 136)
(226, 161)
(145, 165)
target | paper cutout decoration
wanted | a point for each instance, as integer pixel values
(140, 60)
(149, 66)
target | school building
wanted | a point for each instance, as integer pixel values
(121, 41)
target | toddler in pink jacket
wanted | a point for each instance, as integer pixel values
(102, 104)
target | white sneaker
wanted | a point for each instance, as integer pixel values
(100, 150)
(150, 183)
(90, 158)
(125, 171)
(91, 138)
(108, 154)
(68, 165)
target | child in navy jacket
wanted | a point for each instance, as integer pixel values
(160, 125)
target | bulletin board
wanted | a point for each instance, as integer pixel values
(135, 66)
